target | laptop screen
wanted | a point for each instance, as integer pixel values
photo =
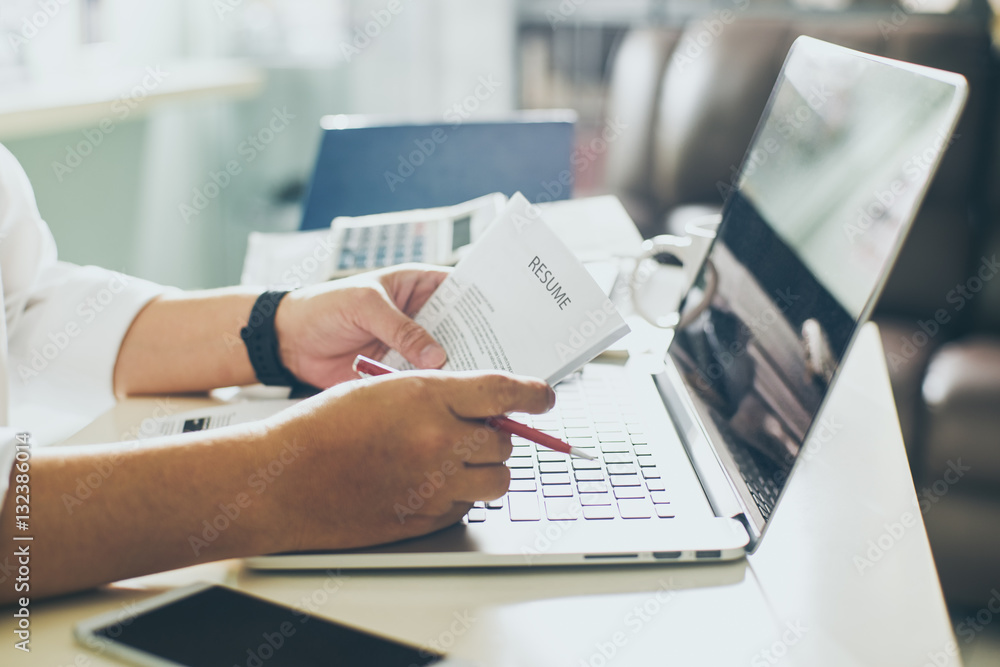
(840, 161)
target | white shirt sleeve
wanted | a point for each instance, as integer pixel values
(64, 323)
(8, 440)
(73, 326)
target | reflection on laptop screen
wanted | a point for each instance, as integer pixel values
(827, 190)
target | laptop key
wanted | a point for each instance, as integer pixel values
(592, 487)
(549, 478)
(523, 507)
(618, 458)
(557, 491)
(612, 436)
(624, 480)
(553, 466)
(522, 485)
(599, 512)
(562, 509)
(587, 499)
(642, 449)
(664, 511)
(589, 476)
(551, 457)
(476, 515)
(646, 462)
(622, 469)
(658, 498)
(650, 473)
(655, 485)
(522, 473)
(636, 508)
(623, 492)
(494, 504)
(584, 464)
(616, 447)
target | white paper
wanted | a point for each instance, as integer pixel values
(520, 301)
(289, 259)
(215, 416)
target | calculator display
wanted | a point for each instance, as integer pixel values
(461, 232)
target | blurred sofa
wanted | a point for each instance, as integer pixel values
(689, 120)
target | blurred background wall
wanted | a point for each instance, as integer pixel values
(162, 94)
(225, 67)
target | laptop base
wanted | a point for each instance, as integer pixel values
(546, 543)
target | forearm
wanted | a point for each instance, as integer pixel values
(187, 342)
(100, 514)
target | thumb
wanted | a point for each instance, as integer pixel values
(394, 328)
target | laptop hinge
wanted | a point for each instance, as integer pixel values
(752, 543)
(710, 472)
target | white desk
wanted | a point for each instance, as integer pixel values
(801, 596)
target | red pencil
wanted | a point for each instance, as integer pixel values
(368, 367)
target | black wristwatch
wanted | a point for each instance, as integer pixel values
(261, 340)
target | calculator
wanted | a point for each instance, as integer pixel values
(434, 236)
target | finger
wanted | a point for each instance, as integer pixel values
(478, 395)
(391, 326)
(454, 514)
(411, 285)
(428, 282)
(481, 444)
(481, 483)
(428, 521)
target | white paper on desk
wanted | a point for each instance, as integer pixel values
(289, 259)
(520, 301)
(215, 416)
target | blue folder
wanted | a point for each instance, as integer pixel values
(363, 168)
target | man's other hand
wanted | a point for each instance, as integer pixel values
(322, 328)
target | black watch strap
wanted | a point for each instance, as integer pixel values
(261, 340)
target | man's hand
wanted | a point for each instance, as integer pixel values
(190, 341)
(359, 464)
(395, 456)
(322, 328)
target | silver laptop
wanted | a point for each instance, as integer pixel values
(693, 455)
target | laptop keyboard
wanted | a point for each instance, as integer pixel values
(593, 412)
(763, 488)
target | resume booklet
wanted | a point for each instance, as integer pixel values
(520, 301)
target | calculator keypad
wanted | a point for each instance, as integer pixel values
(384, 245)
